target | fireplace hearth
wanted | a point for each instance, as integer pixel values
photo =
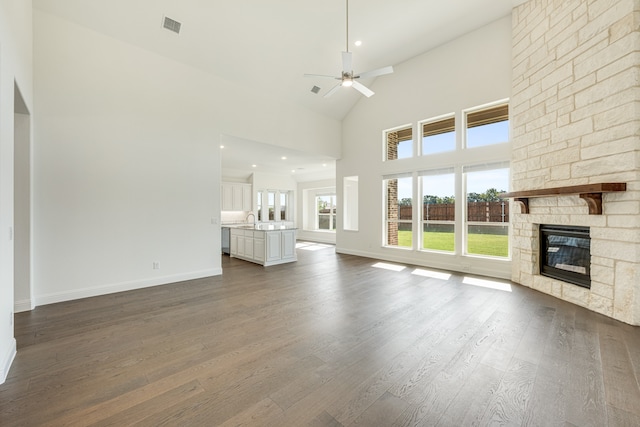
(566, 254)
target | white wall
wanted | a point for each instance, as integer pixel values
(15, 69)
(467, 72)
(127, 162)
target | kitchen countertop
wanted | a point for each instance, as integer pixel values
(260, 227)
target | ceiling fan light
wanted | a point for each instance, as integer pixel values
(347, 83)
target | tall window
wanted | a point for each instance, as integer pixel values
(283, 205)
(399, 143)
(399, 211)
(271, 200)
(439, 136)
(326, 212)
(487, 213)
(438, 210)
(488, 126)
(259, 206)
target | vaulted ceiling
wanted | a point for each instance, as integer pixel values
(267, 45)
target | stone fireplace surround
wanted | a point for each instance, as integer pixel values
(575, 120)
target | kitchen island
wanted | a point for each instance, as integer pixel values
(263, 244)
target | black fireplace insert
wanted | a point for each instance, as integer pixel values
(566, 254)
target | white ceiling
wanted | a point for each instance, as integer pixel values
(239, 156)
(269, 45)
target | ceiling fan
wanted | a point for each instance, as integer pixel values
(348, 78)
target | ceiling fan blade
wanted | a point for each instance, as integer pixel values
(374, 73)
(362, 89)
(324, 76)
(347, 62)
(333, 90)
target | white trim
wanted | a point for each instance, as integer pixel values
(385, 154)
(22, 305)
(7, 360)
(123, 286)
(500, 268)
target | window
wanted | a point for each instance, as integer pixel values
(439, 136)
(399, 211)
(487, 213)
(326, 212)
(271, 200)
(488, 126)
(438, 210)
(350, 203)
(283, 205)
(259, 206)
(419, 204)
(274, 205)
(399, 143)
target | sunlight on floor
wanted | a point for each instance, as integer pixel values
(392, 267)
(501, 286)
(432, 274)
(311, 246)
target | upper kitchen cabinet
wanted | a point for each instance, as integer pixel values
(236, 197)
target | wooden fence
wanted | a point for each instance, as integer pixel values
(476, 212)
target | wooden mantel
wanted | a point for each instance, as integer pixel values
(590, 193)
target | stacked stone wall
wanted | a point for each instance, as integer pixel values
(575, 116)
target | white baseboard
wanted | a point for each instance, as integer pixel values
(477, 266)
(22, 305)
(123, 286)
(7, 360)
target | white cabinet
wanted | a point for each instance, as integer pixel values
(227, 197)
(258, 247)
(247, 198)
(273, 244)
(288, 244)
(236, 197)
(233, 243)
(264, 247)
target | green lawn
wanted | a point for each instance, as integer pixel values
(480, 244)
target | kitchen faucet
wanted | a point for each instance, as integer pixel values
(247, 218)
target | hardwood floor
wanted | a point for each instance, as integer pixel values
(326, 341)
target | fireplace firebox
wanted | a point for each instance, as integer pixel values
(566, 254)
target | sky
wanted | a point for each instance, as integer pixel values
(444, 185)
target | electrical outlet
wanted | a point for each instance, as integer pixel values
(156, 265)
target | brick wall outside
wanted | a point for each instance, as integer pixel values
(392, 212)
(575, 116)
(392, 145)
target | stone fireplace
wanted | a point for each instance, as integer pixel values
(575, 118)
(565, 254)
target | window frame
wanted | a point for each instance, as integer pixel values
(497, 107)
(385, 142)
(434, 120)
(484, 167)
(437, 172)
(332, 213)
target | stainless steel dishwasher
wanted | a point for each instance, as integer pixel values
(226, 240)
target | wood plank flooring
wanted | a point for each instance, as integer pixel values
(327, 341)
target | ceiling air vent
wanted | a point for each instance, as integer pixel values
(315, 89)
(171, 25)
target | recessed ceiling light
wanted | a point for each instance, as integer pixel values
(293, 171)
(222, 146)
(324, 165)
(358, 43)
(254, 166)
(284, 158)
